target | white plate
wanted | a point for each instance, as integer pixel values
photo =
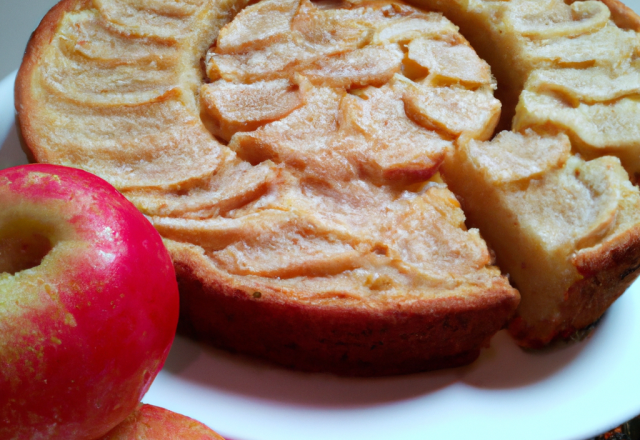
(575, 392)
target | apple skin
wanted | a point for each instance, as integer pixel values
(84, 333)
(150, 422)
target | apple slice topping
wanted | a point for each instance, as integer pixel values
(450, 62)
(585, 85)
(512, 157)
(547, 19)
(245, 107)
(371, 65)
(452, 110)
(256, 27)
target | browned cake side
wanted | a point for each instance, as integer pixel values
(340, 335)
(622, 15)
(297, 185)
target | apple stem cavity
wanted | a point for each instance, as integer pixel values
(23, 245)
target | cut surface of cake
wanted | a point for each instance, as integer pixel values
(566, 230)
(289, 156)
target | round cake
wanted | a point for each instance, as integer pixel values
(298, 158)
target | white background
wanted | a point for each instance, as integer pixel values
(18, 19)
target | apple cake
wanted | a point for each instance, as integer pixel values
(289, 157)
(294, 154)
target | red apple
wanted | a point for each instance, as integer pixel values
(150, 422)
(88, 304)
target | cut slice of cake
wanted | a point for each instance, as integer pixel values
(567, 231)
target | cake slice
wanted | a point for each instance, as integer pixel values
(566, 230)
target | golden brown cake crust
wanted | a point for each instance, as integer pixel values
(609, 270)
(339, 335)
